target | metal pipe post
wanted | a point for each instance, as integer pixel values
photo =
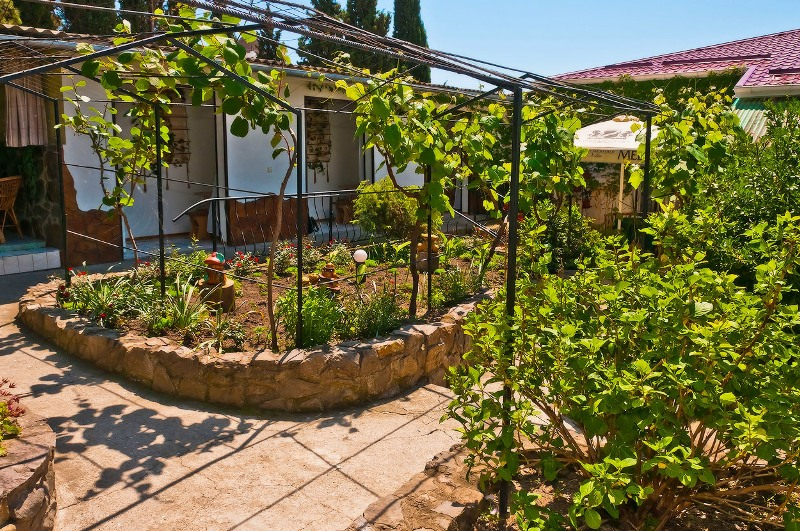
(646, 188)
(511, 276)
(161, 252)
(301, 160)
(61, 201)
(428, 250)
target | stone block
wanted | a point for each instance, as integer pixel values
(192, 389)
(293, 388)
(162, 382)
(231, 396)
(341, 364)
(137, 365)
(388, 347)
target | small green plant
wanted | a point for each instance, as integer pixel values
(322, 315)
(222, 329)
(454, 285)
(372, 314)
(311, 255)
(184, 310)
(338, 253)
(10, 411)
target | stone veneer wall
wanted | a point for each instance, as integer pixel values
(301, 380)
(27, 479)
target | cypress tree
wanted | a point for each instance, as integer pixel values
(139, 23)
(409, 27)
(268, 43)
(77, 20)
(364, 14)
(317, 47)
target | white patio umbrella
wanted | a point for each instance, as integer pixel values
(613, 141)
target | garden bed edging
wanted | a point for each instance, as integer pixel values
(323, 378)
(27, 478)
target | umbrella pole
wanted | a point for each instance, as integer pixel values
(619, 198)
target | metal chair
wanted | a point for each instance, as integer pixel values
(9, 186)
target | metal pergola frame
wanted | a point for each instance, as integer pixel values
(305, 21)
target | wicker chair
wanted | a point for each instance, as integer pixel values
(9, 186)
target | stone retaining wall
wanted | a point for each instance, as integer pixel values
(301, 380)
(27, 479)
(439, 499)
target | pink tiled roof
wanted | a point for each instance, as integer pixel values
(769, 60)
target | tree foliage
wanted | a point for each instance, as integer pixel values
(365, 14)
(90, 22)
(38, 15)
(314, 51)
(9, 14)
(660, 381)
(409, 27)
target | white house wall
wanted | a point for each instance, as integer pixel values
(143, 215)
(78, 154)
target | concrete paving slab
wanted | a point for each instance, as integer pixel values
(128, 458)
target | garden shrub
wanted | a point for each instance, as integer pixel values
(322, 314)
(453, 285)
(660, 381)
(10, 411)
(568, 236)
(384, 210)
(372, 315)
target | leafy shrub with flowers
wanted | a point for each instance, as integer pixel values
(286, 256)
(338, 253)
(10, 411)
(243, 264)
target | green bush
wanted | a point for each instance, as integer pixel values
(322, 315)
(660, 381)
(453, 285)
(384, 210)
(372, 315)
(568, 237)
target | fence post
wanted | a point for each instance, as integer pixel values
(301, 160)
(61, 201)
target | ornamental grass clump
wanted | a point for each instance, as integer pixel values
(658, 380)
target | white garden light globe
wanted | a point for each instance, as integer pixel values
(360, 256)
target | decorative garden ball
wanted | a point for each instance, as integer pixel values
(216, 265)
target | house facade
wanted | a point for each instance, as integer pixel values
(210, 160)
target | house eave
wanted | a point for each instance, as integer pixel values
(644, 77)
(767, 91)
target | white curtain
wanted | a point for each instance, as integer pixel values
(26, 120)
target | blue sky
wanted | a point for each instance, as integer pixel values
(555, 36)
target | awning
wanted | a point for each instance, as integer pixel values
(612, 140)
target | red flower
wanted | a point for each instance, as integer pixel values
(102, 316)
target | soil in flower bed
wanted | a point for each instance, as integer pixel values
(251, 303)
(557, 496)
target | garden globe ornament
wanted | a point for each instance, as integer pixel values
(360, 257)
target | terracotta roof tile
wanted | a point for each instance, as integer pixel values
(770, 60)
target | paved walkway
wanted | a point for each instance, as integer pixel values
(129, 458)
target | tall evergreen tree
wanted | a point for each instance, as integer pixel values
(37, 15)
(364, 14)
(268, 42)
(318, 47)
(408, 26)
(139, 23)
(91, 22)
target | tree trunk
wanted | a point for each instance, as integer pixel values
(412, 305)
